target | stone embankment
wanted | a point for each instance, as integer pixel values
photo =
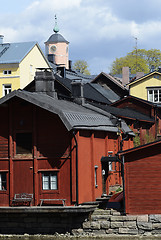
(104, 222)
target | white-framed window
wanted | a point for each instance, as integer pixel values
(7, 72)
(95, 175)
(49, 181)
(3, 182)
(154, 95)
(110, 167)
(7, 88)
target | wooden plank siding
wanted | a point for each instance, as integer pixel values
(53, 150)
(143, 181)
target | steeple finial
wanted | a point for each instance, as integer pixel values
(56, 28)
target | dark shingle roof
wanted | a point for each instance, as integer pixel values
(125, 113)
(98, 93)
(73, 116)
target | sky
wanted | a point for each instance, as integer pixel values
(99, 31)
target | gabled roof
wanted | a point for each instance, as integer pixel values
(112, 79)
(135, 99)
(73, 116)
(98, 93)
(142, 147)
(125, 113)
(143, 78)
(15, 52)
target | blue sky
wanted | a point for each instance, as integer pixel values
(99, 31)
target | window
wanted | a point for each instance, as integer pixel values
(154, 95)
(49, 181)
(95, 176)
(6, 89)
(3, 182)
(110, 166)
(7, 72)
(31, 68)
(23, 143)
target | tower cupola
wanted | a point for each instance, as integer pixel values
(56, 48)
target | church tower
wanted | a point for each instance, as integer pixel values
(56, 48)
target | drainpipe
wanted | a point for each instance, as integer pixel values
(76, 146)
(123, 169)
(123, 182)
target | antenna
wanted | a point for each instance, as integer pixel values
(136, 48)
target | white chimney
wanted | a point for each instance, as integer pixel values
(1, 39)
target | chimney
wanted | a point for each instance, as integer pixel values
(70, 65)
(77, 92)
(44, 82)
(125, 76)
(1, 39)
(139, 75)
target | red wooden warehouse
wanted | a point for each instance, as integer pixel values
(52, 148)
(143, 179)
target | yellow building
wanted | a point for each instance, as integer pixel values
(147, 87)
(18, 63)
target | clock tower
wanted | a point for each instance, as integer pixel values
(56, 48)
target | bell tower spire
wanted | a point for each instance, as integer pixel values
(56, 48)
(56, 28)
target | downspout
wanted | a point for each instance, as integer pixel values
(123, 182)
(76, 146)
(123, 174)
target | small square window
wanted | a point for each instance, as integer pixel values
(23, 143)
(49, 181)
(7, 72)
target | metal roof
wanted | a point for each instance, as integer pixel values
(125, 113)
(73, 116)
(56, 38)
(98, 93)
(15, 52)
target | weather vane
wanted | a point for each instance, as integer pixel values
(56, 28)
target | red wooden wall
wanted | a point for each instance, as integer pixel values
(143, 181)
(54, 150)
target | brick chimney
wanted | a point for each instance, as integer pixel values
(44, 82)
(125, 75)
(139, 75)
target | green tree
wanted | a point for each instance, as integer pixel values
(81, 66)
(139, 60)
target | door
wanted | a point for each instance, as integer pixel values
(23, 176)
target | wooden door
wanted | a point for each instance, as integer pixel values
(23, 176)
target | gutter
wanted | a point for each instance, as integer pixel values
(76, 146)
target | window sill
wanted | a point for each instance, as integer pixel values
(23, 155)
